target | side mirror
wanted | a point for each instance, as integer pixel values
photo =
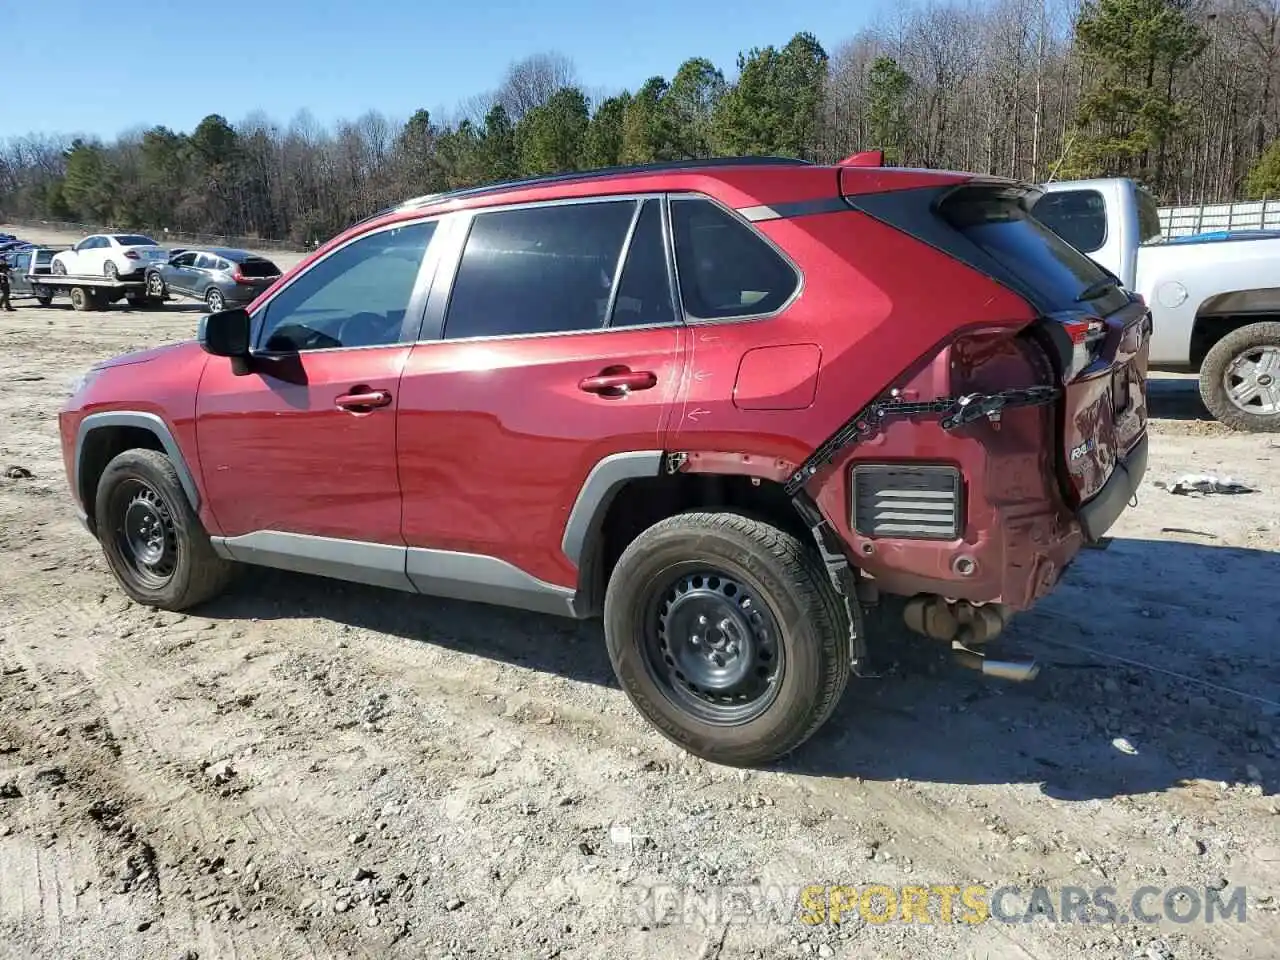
(226, 334)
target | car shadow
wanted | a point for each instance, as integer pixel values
(1175, 398)
(1087, 727)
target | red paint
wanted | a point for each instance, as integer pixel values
(784, 377)
(278, 453)
(484, 445)
(496, 437)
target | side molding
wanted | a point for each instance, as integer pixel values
(599, 489)
(146, 421)
(471, 576)
(378, 564)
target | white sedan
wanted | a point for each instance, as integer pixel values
(110, 255)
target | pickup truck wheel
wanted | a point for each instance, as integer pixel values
(1240, 378)
(726, 634)
(80, 299)
(44, 299)
(153, 541)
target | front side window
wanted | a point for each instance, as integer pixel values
(547, 269)
(726, 269)
(357, 296)
(185, 260)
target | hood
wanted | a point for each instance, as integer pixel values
(153, 353)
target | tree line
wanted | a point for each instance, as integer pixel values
(1182, 95)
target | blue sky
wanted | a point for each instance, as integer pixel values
(174, 61)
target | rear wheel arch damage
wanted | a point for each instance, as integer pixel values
(103, 436)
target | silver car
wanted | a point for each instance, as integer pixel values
(220, 276)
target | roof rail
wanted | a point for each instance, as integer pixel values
(599, 173)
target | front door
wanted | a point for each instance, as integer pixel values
(559, 347)
(299, 455)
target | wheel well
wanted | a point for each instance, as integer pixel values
(642, 502)
(101, 446)
(1208, 329)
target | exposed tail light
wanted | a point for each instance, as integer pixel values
(132, 255)
(1086, 334)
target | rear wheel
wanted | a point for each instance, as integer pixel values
(727, 635)
(1240, 378)
(152, 539)
(43, 296)
(216, 301)
(80, 299)
(110, 270)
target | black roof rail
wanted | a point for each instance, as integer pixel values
(572, 176)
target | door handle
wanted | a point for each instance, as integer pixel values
(361, 399)
(619, 382)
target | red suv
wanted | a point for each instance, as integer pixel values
(724, 404)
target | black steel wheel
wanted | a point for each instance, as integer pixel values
(727, 635)
(150, 535)
(713, 645)
(146, 537)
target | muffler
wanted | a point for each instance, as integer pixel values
(1018, 671)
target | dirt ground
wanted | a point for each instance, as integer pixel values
(311, 769)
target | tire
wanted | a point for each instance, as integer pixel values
(81, 299)
(110, 270)
(156, 288)
(59, 268)
(749, 565)
(136, 300)
(1227, 362)
(141, 487)
(216, 301)
(44, 299)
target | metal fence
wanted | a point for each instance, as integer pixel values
(1244, 215)
(174, 238)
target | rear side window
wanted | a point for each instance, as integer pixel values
(547, 269)
(644, 291)
(256, 267)
(996, 220)
(206, 262)
(44, 256)
(1148, 216)
(726, 269)
(223, 265)
(1077, 216)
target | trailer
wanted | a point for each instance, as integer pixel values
(88, 293)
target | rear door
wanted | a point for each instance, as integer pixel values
(551, 341)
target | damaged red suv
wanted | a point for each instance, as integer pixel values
(724, 404)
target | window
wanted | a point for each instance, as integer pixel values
(20, 262)
(726, 269)
(257, 267)
(44, 256)
(134, 240)
(1148, 216)
(357, 296)
(546, 269)
(185, 260)
(997, 222)
(205, 262)
(1077, 216)
(644, 291)
(222, 265)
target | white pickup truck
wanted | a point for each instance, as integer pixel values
(1214, 299)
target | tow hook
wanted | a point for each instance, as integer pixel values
(966, 626)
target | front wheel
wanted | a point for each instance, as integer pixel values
(216, 301)
(155, 286)
(59, 268)
(110, 270)
(1240, 378)
(727, 635)
(151, 537)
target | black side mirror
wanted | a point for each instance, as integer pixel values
(226, 334)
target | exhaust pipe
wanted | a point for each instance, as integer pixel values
(1017, 671)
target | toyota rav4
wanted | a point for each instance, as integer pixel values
(725, 405)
